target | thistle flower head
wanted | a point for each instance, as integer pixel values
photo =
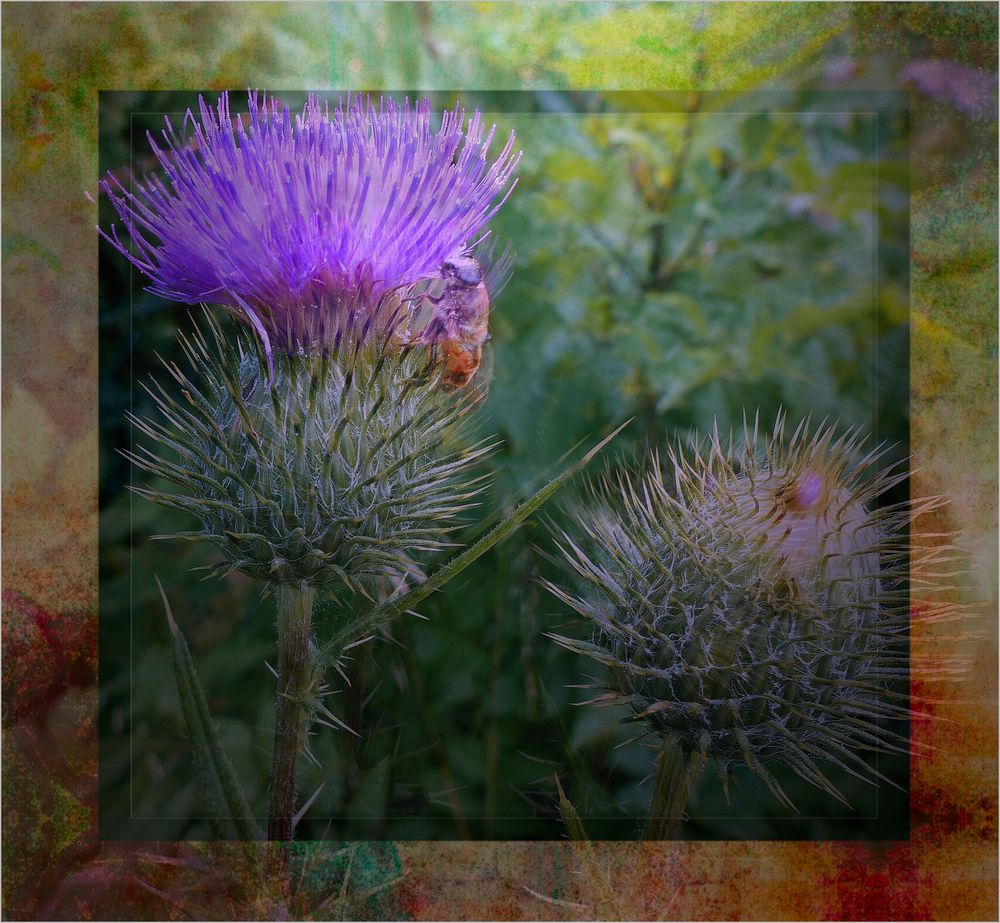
(340, 467)
(752, 605)
(295, 223)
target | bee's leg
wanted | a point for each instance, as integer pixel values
(427, 334)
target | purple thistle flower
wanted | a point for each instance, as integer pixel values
(296, 224)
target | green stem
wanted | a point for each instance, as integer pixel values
(670, 793)
(295, 605)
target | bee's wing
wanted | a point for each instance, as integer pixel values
(484, 374)
(496, 269)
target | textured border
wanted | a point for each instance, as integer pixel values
(880, 107)
(55, 59)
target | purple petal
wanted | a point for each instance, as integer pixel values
(283, 219)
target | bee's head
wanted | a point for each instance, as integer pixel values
(463, 269)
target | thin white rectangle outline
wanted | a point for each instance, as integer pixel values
(875, 114)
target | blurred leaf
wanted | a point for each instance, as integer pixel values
(231, 817)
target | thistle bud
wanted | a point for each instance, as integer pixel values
(751, 606)
(342, 465)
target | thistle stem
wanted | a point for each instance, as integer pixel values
(295, 605)
(670, 793)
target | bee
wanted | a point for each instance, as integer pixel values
(459, 297)
(461, 319)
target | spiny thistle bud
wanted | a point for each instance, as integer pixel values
(752, 606)
(317, 449)
(339, 467)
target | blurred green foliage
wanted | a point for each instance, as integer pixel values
(681, 259)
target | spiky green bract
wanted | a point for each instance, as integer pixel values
(751, 605)
(341, 467)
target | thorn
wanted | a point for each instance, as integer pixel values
(166, 605)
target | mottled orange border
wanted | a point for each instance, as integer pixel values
(56, 57)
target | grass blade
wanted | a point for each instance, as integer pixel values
(232, 818)
(570, 815)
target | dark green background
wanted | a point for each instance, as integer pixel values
(671, 266)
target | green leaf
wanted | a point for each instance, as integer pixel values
(232, 818)
(570, 815)
(385, 612)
